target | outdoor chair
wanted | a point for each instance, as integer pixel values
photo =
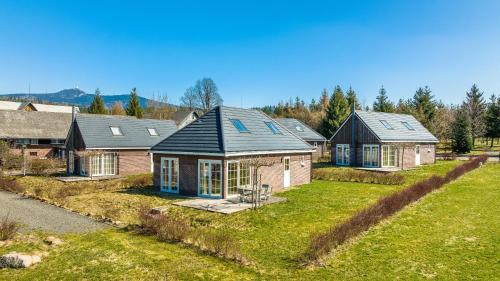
(265, 193)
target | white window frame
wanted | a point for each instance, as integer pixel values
(116, 131)
(210, 161)
(343, 161)
(168, 187)
(302, 160)
(389, 148)
(102, 169)
(83, 168)
(153, 132)
(371, 146)
(238, 177)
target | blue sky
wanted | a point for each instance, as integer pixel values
(258, 52)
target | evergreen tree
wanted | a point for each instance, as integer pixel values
(352, 99)
(97, 106)
(404, 106)
(461, 137)
(382, 103)
(424, 107)
(337, 111)
(475, 108)
(493, 119)
(134, 106)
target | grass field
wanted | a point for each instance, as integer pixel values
(274, 237)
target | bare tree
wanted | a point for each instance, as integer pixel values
(189, 100)
(204, 96)
(442, 124)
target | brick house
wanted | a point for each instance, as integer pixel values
(39, 134)
(110, 145)
(306, 133)
(209, 157)
(382, 140)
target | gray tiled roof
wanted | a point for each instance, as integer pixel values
(96, 132)
(215, 133)
(399, 131)
(300, 129)
(19, 124)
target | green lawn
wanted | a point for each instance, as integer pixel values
(275, 236)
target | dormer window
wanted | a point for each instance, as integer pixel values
(116, 131)
(408, 126)
(239, 126)
(273, 128)
(299, 128)
(386, 125)
(153, 132)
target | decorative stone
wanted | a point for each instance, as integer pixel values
(53, 241)
(17, 260)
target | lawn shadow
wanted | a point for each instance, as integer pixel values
(151, 191)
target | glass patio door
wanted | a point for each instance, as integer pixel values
(370, 155)
(209, 178)
(170, 175)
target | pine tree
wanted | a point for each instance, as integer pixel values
(461, 138)
(493, 119)
(352, 99)
(475, 108)
(97, 106)
(404, 106)
(424, 107)
(382, 103)
(337, 111)
(134, 106)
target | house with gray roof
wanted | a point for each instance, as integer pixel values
(183, 117)
(308, 134)
(37, 134)
(382, 140)
(215, 156)
(111, 145)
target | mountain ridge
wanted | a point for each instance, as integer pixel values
(74, 96)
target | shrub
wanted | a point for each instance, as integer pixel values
(139, 180)
(8, 229)
(11, 185)
(219, 243)
(45, 167)
(323, 243)
(164, 226)
(350, 175)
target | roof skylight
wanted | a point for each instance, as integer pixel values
(239, 126)
(116, 131)
(299, 128)
(273, 128)
(153, 132)
(386, 124)
(408, 126)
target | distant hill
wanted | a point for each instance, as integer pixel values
(73, 97)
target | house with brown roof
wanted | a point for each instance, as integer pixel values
(382, 140)
(212, 156)
(111, 145)
(30, 106)
(39, 134)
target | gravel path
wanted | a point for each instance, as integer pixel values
(34, 214)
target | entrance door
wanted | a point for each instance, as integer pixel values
(209, 178)
(170, 175)
(286, 173)
(417, 155)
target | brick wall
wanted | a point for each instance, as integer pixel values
(133, 162)
(273, 175)
(35, 152)
(320, 150)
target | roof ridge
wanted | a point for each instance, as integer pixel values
(221, 124)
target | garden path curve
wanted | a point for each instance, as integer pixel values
(34, 214)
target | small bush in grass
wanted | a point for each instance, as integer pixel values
(350, 175)
(323, 243)
(164, 226)
(45, 167)
(141, 180)
(11, 185)
(8, 228)
(219, 243)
